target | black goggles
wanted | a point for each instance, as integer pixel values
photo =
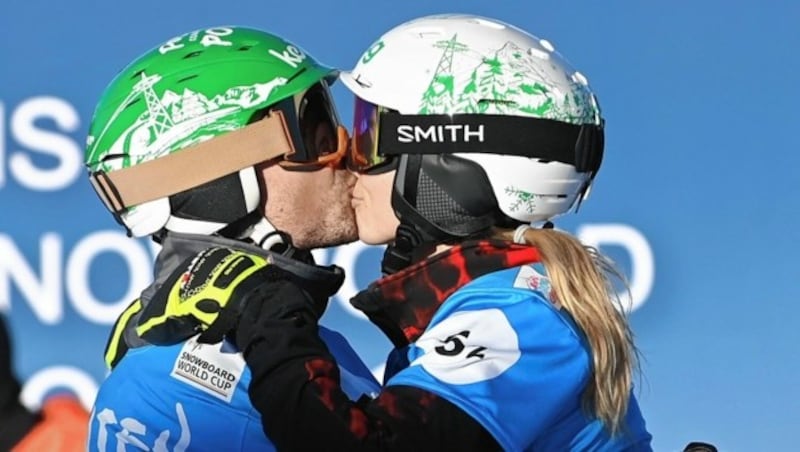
(319, 139)
(380, 134)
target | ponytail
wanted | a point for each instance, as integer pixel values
(581, 279)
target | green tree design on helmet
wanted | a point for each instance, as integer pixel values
(480, 67)
(486, 125)
(192, 89)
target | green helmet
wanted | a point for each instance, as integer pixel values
(206, 90)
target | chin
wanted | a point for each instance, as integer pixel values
(330, 232)
(325, 241)
(371, 238)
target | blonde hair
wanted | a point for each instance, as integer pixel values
(581, 279)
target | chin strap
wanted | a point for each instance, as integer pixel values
(257, 229)
(417, 236)
(408, 247)
(264, 234)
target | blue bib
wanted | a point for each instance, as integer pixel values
(192, 396)
(502, 352)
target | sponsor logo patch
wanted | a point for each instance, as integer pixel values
(208, 369)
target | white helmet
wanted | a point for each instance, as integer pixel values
(493, 127)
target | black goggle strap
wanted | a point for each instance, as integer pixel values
(261, 141)
(545, 139)
(589, 154)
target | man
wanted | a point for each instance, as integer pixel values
(60, 426)
(225, 137)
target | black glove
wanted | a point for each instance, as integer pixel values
(280, 299)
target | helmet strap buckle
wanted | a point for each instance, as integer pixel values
(407, 248)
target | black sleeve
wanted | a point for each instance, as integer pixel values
(15, 419)
(295, 386)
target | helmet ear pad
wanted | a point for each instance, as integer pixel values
(221, 201)
(444, 195)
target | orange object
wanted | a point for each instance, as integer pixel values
(63, 428)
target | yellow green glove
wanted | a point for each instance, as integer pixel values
(116, 347)
(207, 289)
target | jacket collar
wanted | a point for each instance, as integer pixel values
(177, 247)
(402, 304)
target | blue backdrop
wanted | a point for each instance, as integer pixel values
(697, 198)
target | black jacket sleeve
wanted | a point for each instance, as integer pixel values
(15, 420)
(295, 386)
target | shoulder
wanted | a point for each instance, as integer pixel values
(205, 371)
(511, 285)
(523, 295)
(498, 346)
(498, 327)
(183, 389)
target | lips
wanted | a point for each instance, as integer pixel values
(356, 201)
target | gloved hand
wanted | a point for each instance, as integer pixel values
(278, 300)
(206, 289)
(210, 292)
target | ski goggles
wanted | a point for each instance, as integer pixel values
(381, 134)
(319, 139)
(301, 132)
(364, 156)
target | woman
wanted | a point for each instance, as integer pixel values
(467, 132)
(539, 300)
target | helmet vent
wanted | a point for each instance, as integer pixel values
(547, 45)
(110, 157)
(487, 23)
(137, 74)
(497, 102)
(192, 54)
(134, 101)
(424, 32)
(244, 48)
(540, 54)
(577, 77)
(187, 78)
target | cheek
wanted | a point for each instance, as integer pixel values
(384, 201)
(385, 212)
(328, 189)
(371, 229)
(376, 220)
